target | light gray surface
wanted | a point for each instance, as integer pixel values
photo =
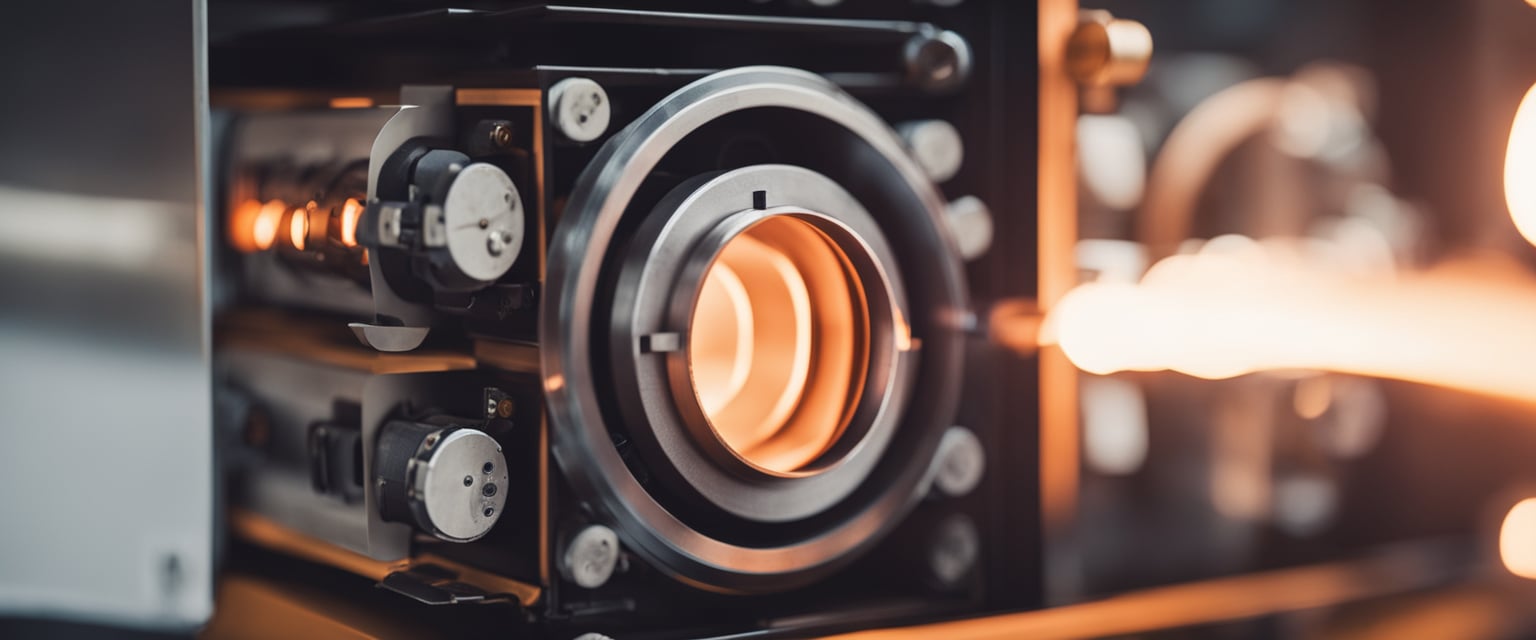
(106, 473)
(456, 507)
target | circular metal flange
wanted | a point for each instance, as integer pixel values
(483, 223)
(581, 440)
(658, 287)
(458, 484)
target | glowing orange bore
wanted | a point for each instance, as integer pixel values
(779, 343)
(254, 224)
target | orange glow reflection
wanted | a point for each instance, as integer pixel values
(351, 102)
(351, 212)
(1520, 168)
(779, 342)
(298, 228)
(1517, 539)
(253, 225)
(1241, 306)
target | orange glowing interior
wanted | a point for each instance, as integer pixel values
(298, 228)
(253, 224)
(1520, 168)
(1517, 539)
(778, 344)
(351, 212)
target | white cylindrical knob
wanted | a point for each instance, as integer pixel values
(579, 109)
(936, 146)
(970, 222)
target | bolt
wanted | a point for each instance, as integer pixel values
(501, 135)
(504, 408)
(970, 223)
(497, 243)
(953, 551)
(959, 464)
(579, 109)
(591, 556)
(936, 146)
(937, 61)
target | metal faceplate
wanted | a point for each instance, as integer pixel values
(458, 485)
(581, 440)
(483, 222)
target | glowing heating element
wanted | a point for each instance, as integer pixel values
(778, 351)
(1256, 307)
(1520, 168)
(253, 225)
(351, 212)
(298, 227)
(1517, 539)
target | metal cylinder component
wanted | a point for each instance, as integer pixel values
(953, 551)
(936, 146)
(450, 482)
(970, 222)
(937, 61)
(482, 224)
(959, 464)
(1106, 51)
(579, 109)
(590, 556)
(595, 226)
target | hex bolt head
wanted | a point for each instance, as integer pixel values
(935, 145)
(937, 61)
(959, 464)
(501, 135)
(590, 557)
(579, 109)
(970, 222)
(953, 550)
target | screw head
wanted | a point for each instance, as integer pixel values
(501, 135)
(591, 556)
(579, 109)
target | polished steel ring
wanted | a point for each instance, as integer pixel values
(582, 438)
(658, 290)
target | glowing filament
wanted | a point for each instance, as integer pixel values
(351, 212)
(1517, 539)
(1520, 168)
(298, 228)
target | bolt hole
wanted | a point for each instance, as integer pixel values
(488, 468)
(468, 480)
(488, 490)
(581, 119)
(489, 512)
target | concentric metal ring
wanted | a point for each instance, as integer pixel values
(581, 439)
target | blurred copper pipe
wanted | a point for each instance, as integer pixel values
(1192, 153)
(1057, 237)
